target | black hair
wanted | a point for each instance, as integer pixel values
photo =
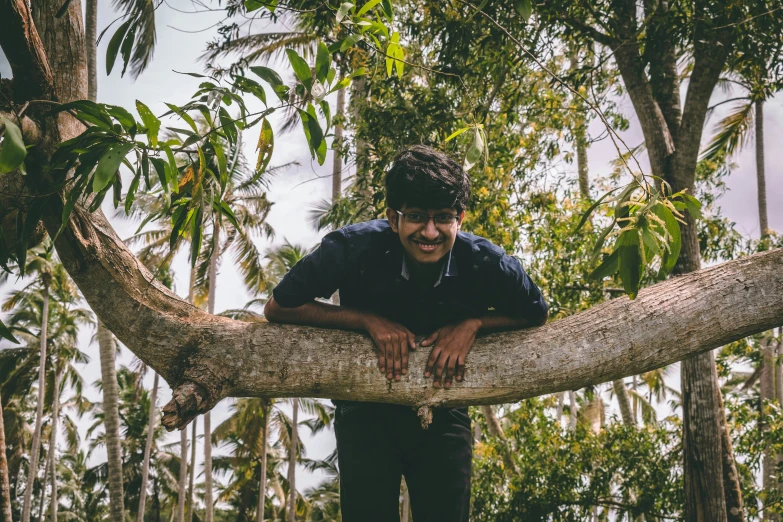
(423, 177)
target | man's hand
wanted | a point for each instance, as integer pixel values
(393, 341)
(452, 344)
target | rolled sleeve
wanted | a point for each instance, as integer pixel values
(513, 292)
(318, 274)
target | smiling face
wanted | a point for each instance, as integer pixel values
(425, 243)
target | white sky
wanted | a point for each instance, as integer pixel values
(294, 191)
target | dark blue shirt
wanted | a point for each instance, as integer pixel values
(365, 262)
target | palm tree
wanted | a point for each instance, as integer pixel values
(5, 488)
(36, 292)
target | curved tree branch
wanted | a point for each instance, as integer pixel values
(207, 358)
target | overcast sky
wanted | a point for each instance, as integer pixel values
(181, 40)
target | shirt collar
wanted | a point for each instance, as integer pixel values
(449, 269)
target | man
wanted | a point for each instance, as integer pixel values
(412, 274)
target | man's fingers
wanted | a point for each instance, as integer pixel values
(404, 355)
(411, 340)
(431, 361)
(431, 338)
(389, 348)
(397, 345)
(460, 368)
(441, 364)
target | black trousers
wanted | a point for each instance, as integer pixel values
(379, 443)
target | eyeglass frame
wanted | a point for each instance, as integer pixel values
(456, 218)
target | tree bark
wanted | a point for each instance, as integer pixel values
(53, 444)
(761, 181)
(292, 462)
(5, 488)
(264, 453)
(42, 504)
(111, 422)
(91, 47)
(337, 161)
(36, 444)
(183, 474)
(624, 401)
(731, 484)
(145, 465)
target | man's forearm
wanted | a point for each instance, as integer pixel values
(317, 314)
(494, 322)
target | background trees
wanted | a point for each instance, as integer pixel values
(476, 77)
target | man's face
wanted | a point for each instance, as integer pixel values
(426, 234)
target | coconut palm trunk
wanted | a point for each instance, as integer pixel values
(145, 466)
(183, 474)
(111, 419)
(53, 445)
(192, 472)
(36, 447)
(213, 265)
(42, 505)
(292, 463)
(5, 488)
(264, 452)
(496, 430)
(761, 181)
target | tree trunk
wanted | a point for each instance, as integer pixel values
(42, 504)
(264, 452)
(731, 484)
(572, 411)
(53, 443)
(761, 181)
(292, 462)
(183, 474)
(213, 266)
(766, 395)
(145, 465)
(624, 401)
(36, 447)
(5, 488)
(702, 442)
(91, 47)
(111, 421)
(560, 407)
(337, 162)
(496, 430)
(192, 473)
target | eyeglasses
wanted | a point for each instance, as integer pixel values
(420, 219)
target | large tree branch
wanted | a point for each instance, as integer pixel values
(25, 52)
(206, 358)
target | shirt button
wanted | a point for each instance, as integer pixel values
(475, 267)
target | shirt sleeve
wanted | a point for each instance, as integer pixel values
(318, 274)
(512, 292)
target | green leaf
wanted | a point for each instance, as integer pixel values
(127, 47)
(184, 115)
(5, 333)
(524, 8)
(674, 240)
(227, 123)
(388, 11)
(350, 41)
(323, 62)
(590, 210)
(457, 133)
(173, 171)
(125, 118)
(599, 243)
(114, 46)
(13, 151)
(693, 205)
(630, 261)
(109, 164)
(98, 114)
(608, 267)
(649, 239)
(150, 122)
(399, 64)
(224, 209)
(475, 150)
(196, 235)
(622, 208)
(366, 7)
(343, 11)
(265, 146)
(301, 69)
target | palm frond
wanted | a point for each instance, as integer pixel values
(732, 133)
